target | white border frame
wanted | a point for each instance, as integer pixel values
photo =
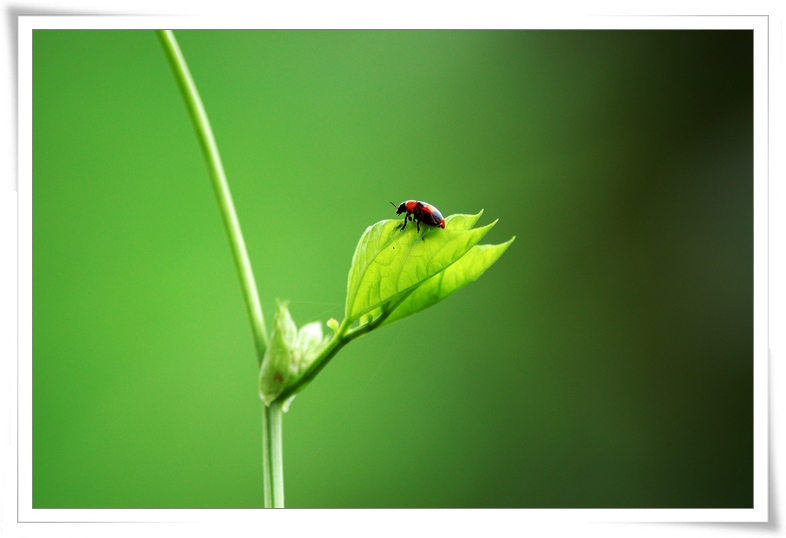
(439, 521)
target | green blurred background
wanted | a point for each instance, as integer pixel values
(604, 361)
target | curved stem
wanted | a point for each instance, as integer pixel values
(218, 178)
(271, 416)
(343, 336)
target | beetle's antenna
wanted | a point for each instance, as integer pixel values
(394, 205)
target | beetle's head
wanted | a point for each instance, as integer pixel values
(399, 208)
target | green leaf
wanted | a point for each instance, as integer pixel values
(394, 274)
(275, 370)
(310, 342)
(468, 269)
(290, 352)
(389, 264)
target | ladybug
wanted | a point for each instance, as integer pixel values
(420, 212)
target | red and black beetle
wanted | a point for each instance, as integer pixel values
(420, 212)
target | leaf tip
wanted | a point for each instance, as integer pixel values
(506, 244)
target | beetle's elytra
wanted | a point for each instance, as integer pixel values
(420, 212)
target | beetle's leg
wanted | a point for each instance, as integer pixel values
(406, 217)
(418, 222)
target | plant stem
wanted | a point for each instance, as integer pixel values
(271, 416)
(218, 178)
(276, 415)
(267, 471)
(342, 337)
(273, 459)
